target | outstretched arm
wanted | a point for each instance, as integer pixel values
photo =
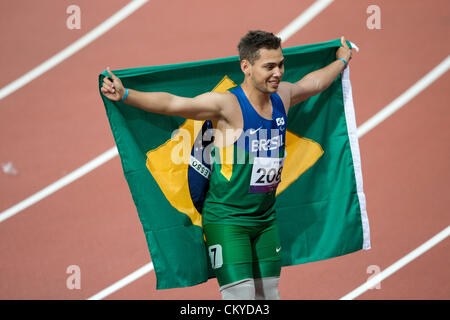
(317, 81)
(206, 106)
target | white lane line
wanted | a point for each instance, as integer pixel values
(299, 22)
(73, 48)
(123, 282)
(407, 96)
(398, 265)
(61, 183)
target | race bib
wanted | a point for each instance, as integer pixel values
(266, 174)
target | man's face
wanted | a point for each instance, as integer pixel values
(267, 71)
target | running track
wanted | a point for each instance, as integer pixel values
(56, 123)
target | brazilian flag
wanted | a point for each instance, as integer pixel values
(321, 208)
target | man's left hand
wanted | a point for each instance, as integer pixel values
(344, 52)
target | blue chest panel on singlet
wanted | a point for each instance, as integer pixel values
(263, 137)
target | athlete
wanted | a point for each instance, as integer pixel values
(239, 218)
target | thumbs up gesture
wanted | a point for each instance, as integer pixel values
(112, 87)
(344, 52)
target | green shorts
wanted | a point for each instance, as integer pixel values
(242, 252)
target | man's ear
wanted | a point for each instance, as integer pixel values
(245, 67)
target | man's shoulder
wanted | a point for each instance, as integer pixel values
(284, 88)
(284, 91)
(217, 98)
(224, 98)
(220, 95)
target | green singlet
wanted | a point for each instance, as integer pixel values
(239, 209)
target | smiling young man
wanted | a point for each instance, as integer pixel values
(249, 121)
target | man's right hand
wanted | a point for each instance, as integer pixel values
(112, 87)
(206, 106)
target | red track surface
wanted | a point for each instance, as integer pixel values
(57, 123)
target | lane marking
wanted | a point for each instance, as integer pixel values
(407, 96)
(73, 48)
(123, 282)
(59, 184)
(299, 22)
(398, 265)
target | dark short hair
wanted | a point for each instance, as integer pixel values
(253, 41)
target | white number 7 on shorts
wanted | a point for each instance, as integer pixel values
(215, 254)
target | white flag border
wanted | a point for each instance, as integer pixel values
(354, 146)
